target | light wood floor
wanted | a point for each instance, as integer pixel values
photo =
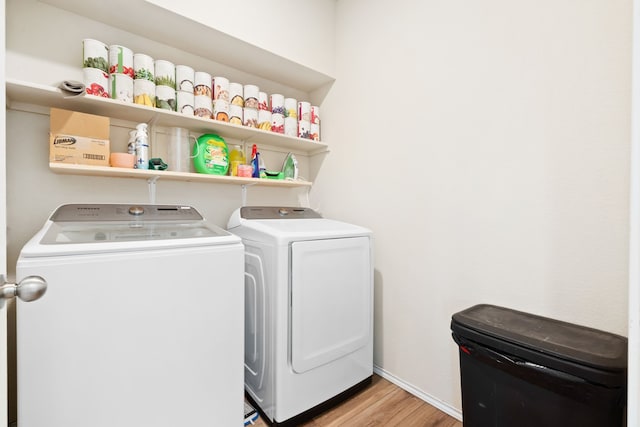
(381, 404)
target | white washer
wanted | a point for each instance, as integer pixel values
(141, 323)
(308, 310)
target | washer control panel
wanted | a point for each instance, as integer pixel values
(121, 212)
(277, 212)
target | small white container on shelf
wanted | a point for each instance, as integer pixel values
(291, 107)
(250, 93)
(277, 123)
(165, 73)
(276, 103)
(202, 106)
(250, 117)
(221, 110)
(143, 67)
(166, 98)
(264, 120)
(120, 60)
(220, 88)
(184, 78)
(121, 87)
(314, 132)
(96, 82)
(202, 84)
(304, 111)
(184, 102)
(304, 129)
(315, 115)
(95, 54)
(291, 126)
(235, 114)
(263, 101)
(144, 92)
(236, 94)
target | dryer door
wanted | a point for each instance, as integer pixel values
(255, 323)
(331, 300)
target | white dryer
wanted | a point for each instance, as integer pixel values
(141, 323)
(308, 310)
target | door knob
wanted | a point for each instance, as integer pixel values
(29, 289)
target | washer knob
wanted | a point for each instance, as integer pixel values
(136, 210)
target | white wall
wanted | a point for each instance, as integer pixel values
(300, 31)
(486, 144)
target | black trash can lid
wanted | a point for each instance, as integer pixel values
(580, 344)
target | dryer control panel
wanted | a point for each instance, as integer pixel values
(277, 212)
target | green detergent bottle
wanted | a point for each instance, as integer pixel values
(211, 155)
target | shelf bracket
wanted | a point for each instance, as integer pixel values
(244, 193)
(152, 189)
(307, 202)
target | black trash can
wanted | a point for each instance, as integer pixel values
(522, 370)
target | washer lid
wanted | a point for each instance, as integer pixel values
(92, 232)
(82, 229)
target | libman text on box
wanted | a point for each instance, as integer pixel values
(78, 138)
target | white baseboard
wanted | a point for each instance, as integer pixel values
(437, 403)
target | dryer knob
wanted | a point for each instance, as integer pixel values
(283, 211)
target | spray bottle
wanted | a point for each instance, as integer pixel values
(142, 147)
(255, 161)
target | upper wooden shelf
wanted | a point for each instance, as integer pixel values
(23, 95)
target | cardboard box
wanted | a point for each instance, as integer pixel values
(78, 138)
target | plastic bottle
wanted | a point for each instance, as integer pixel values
(131, 146)
(142, 147)
(236, 157)
(262, 167)
(255, 161)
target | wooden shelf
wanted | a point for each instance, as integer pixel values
(70, 169)
(24, 95)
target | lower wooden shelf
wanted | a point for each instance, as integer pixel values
(106, 171)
